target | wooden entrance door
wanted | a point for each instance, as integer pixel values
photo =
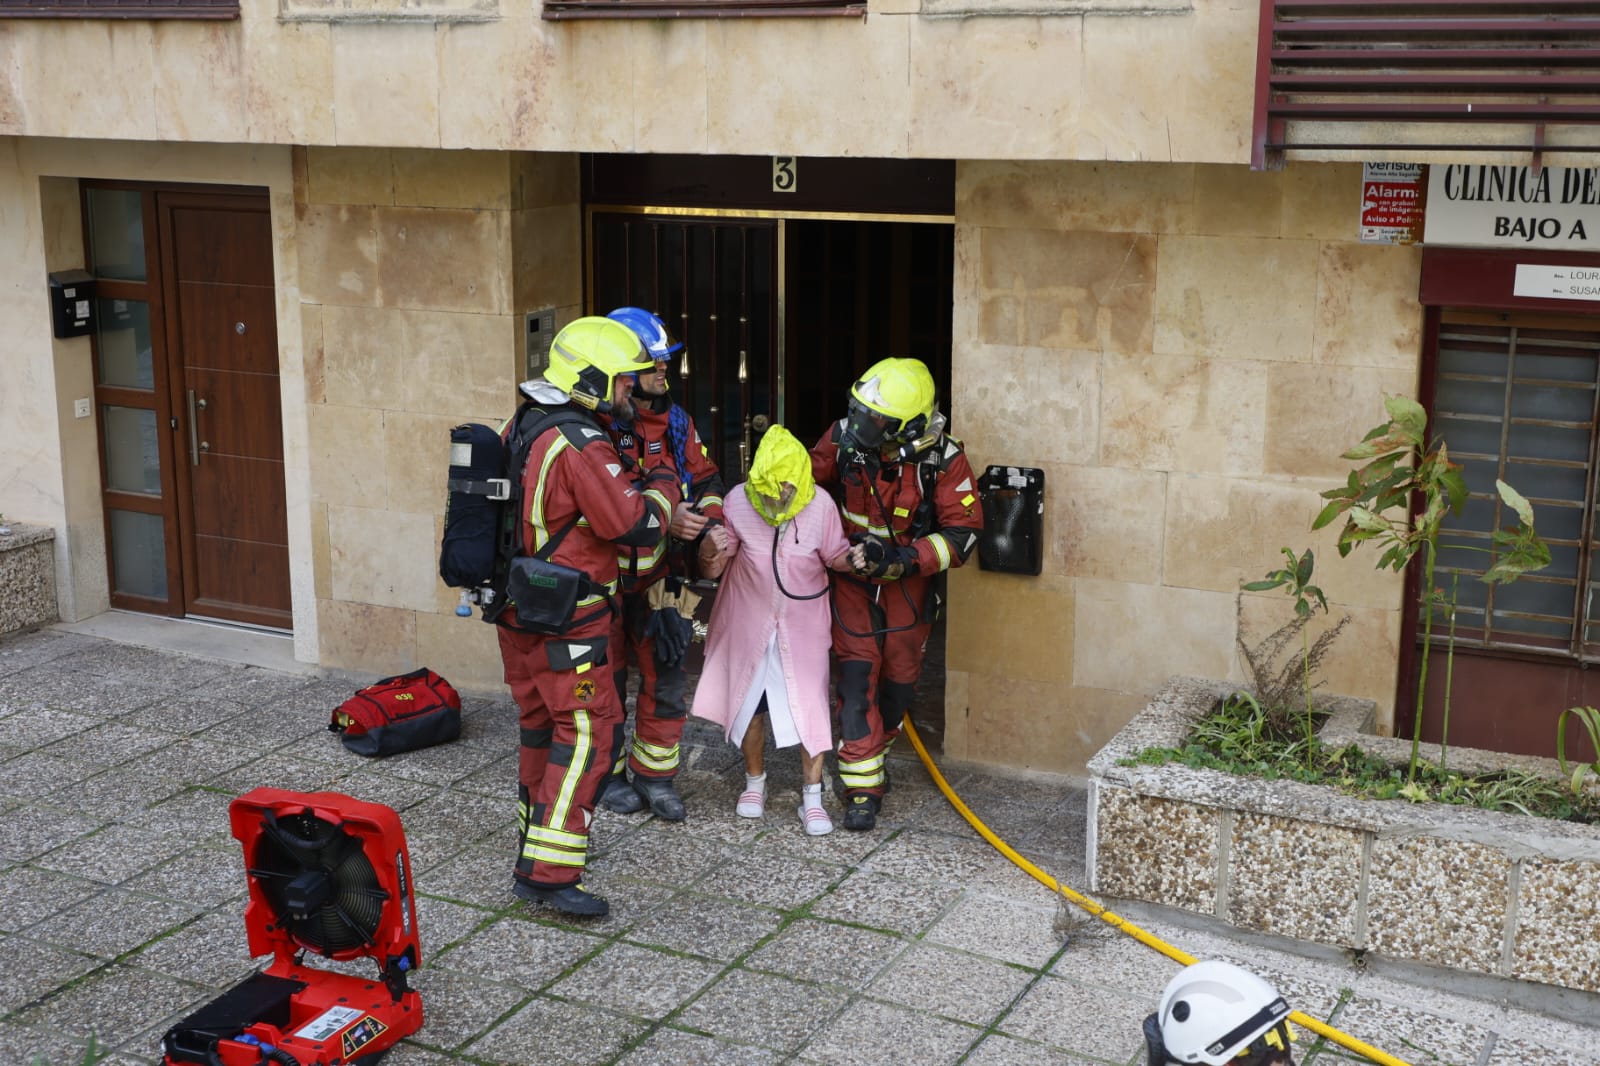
(190, 416)
(223, 352)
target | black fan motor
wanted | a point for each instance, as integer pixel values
(319, 882)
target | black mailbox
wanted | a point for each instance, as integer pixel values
(72, 302)
(1013, 520)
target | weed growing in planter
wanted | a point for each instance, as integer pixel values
(1237, 737)
(1275, 686)
(1589, 718)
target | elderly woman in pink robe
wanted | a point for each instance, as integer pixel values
(767, 649)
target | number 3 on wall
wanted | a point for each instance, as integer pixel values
(785, 173)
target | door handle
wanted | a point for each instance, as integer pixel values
(194, 434)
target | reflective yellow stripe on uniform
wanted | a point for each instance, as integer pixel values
(536, 505)
(646, 563)
(861, 522)
(867, 773)
(941, 548)
(655, 757)
(582, 748)
(710, 501)
(611, 587)
(666, 504)
(537, 852)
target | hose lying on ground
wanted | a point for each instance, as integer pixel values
(1148, 939)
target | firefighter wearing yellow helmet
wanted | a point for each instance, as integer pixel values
(909, 498)
(578, 503)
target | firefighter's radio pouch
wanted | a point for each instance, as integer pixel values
(1012, 541)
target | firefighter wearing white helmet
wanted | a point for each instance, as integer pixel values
(1216, 1013)
(578, 504)
(910, 503)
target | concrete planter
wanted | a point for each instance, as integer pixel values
(1488, 893)
(27, 577)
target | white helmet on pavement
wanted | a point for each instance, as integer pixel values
(1216, 1013)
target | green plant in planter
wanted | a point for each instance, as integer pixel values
(1375, 502)
(1295, 579)
(1589, 718)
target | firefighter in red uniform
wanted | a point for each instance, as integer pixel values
(909, 499)
(580, 503)
(656, 606)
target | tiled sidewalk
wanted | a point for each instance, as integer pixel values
(729, 941)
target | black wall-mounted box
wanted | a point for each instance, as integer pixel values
(72, 302)
(1013, 520)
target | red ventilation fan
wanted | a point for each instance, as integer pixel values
(328, 874)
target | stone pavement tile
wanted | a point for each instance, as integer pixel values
(1062, 831)
(431, 849)
(810, 950)
(32, 830)
(194, 761)
(209, 875)
(1082, 1018)
(998, 1050)
(20, 651)
(1412, 1034)
(30, 970)
(517, 951)
(51, 688)
(886, 903)
(769, 880)
(441, 764)
(841, 846)
(23, 1045)
(939, 859)
(200, 811)
(1020, 933)
(958, 986)
(116, 853)
(31, 894)
(1043, 791)
(1007, 818)
(467, 816)
(636, 981)
(1514, 1023)
(109, 744)
(36, 773)
(1098, 953)
(868, 1034)
(1510, 1051)
(212, 950)
(35, 727)
(705, 926)
(371, 785)
(496, 778)
(674, 1047)
(114, 922)
(443, 922)
(166, 670)
(273, 770)
(115, 1004)
(256, 686)
(672, 856)
(457, 1007)
(711, 815)
(756, 1008)
(406, 1053)
(480, 874)
(548, 1031)
(490, 725)
(324, 747)
(184, 715)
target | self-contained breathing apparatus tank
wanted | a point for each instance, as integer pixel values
(479, 487)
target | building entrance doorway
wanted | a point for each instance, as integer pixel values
(781, 298)
(189, 413)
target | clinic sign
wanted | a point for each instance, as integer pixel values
(1513, 207)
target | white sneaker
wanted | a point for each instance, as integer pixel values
(752, 803)
(816, 821)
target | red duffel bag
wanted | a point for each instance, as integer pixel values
(400, 713)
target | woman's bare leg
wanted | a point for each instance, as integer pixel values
(754, 746)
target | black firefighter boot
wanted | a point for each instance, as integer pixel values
(618, 796)
(572, 899)
(861, 811)
(661, 795)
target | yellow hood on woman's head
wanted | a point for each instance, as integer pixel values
(779, 458)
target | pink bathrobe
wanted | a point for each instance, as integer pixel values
(750, 606)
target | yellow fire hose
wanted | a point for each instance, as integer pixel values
(1116, 922)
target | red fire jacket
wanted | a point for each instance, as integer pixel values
(885, 497)
(647, 441)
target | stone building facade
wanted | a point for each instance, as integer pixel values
(1184, 345)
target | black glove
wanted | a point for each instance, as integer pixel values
(897, 562)
(671, 632)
